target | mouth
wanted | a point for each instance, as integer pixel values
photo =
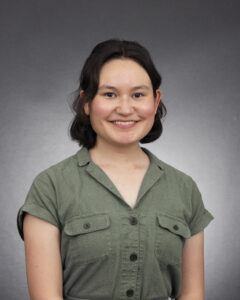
(124, 124)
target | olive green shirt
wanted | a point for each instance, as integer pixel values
(109, 250)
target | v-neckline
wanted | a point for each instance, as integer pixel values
(152, 174)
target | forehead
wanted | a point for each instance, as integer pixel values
(123, 70)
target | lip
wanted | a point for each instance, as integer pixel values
(122, 126)
(125, 120)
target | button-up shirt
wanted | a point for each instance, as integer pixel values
(109, 250)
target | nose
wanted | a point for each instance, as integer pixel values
(124, 106)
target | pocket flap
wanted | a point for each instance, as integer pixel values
(81, 225)
(174, 225)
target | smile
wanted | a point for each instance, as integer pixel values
(124, 124)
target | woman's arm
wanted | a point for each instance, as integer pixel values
(193, 269)
(43, 259)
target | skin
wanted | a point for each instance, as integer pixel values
(192, 287)
(115, 145)
(43, 259)
(118, 147)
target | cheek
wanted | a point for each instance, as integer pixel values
(100, 109)
(147, 110)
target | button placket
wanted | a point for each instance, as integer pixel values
(130, 270)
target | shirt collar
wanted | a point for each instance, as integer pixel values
(83, 157)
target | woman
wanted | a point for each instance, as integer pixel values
(113, 221)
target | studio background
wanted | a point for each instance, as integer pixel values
(195, 45)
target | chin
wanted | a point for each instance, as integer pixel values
(125, 143)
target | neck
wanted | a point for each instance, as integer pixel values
(119, 156)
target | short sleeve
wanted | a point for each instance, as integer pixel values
(200, 217)
(40, 202)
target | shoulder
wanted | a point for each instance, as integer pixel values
(174, 171)
(56, 172)
(179, 176)
(170, 172)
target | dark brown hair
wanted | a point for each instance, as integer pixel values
(80, 128)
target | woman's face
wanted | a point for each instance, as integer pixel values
(124, 94)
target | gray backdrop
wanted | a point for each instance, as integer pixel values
(195, 46)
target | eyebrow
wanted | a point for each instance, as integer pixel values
(114, 88)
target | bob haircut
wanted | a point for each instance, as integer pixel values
(80, 128)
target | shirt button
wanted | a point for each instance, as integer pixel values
(130, 293)
(86, 225)
(133, 221)
(133, 257)
(175, 227)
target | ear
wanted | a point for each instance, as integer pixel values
(81, 93)
(86, 105)
(157, 99)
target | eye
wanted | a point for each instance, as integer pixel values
(138, 95)
(109, 95)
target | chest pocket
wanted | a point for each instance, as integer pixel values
(88, 237)
(171, 234)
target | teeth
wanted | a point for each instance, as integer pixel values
(124, 123)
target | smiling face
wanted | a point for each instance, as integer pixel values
(124, 93)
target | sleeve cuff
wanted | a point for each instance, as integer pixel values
(36, 211)
(203, 221)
